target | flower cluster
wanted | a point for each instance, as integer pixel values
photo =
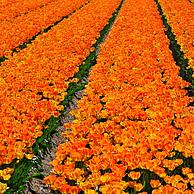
(16, 8)
(5, 175)
(134, 115)
(12, 31)
(180, 15)
(34, 81)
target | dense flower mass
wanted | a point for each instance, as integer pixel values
(34, 81)
(19, 29)
(134, 126)
(11, 9)
(180, 15)
(134, 117)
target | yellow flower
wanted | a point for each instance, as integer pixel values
(104, 178)
(190, 175)
(90, 191)
(3, 187)
(6, 173)
(6, 177)
(29, 156)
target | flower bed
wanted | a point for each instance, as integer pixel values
(12, 32)
(133, 126)
(34, 81)
(180, 15)
(20, 7)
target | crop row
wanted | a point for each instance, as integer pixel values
(133, 126)
(180, 16)
(34, 81)
(12, 32)
(20, 7)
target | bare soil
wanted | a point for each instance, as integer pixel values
(36, 185)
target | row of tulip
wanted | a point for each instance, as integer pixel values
(180, 15)
(19, 7)
(34, 81)
(133, 117)
(12, 31)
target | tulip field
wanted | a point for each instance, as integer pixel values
(97, 96)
